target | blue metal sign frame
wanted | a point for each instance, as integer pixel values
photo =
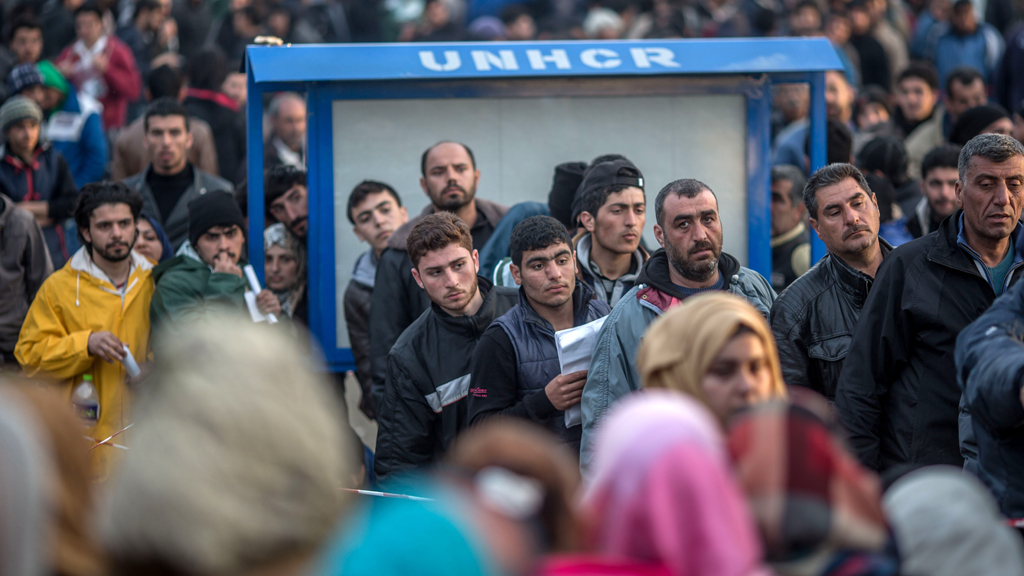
(471, 70)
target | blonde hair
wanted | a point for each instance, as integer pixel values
(678, 348)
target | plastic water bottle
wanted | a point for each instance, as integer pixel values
(86, 401)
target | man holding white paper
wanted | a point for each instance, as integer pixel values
(516, 369)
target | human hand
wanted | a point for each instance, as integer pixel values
(267, 303)
(222, 263)
(566, 390)
(101, 62)
(106, 346)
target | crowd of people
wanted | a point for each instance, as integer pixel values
(547, 392)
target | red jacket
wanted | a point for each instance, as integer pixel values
(122, 79)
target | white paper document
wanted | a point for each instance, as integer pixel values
(254, 311)
(575, 347)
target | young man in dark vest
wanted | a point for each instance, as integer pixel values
(515, 366)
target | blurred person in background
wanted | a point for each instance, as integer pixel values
(285, 268)
(170, 182)
(985, 119)
(286, 198)
(791, 240)
(131, 155)
(938, 185)
(88, 313)
(662, 476)
(918, 113)
(24, 265)
(152, 242)
(232, 472)
(101, 66)
(287, 144)
(968, 42)
(947, 524)
(375, 211)
(965, 89)
(206, 100)
(886, 158)
(819, 511)
(519, 24)
(715, 348)
(235, 86)
(839, 98)
(35, 176)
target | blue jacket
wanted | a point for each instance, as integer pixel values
(990, 370)
(76, 131)
(981, 50)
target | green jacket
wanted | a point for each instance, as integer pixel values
(186, 288)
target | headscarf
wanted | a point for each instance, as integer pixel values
(947, 524)
(663, 490)
(53, 78)
(168, 252)
(397, 537)
(278, 235)
(530, 452)
(678, 348)
(818, 509)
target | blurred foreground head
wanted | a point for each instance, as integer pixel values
(237, 460)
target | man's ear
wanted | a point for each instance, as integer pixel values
(659, 235)
(86, 235)
(814, 224)
(587, 220)
(517, 274)
(476, 261)
(416, 275)
(423, 185)
(959, 190)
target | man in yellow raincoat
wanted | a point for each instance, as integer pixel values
(86, 312)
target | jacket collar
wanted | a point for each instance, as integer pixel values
(853, 281)
(470, 325)
(219, 98)
(491, 210)
(582, 296)
(583, 248)
(949, 252)
(787, 236)
(655, 273)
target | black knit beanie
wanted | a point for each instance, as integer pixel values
(212, 209)
(972, 122)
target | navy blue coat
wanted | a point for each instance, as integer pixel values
(990, 369)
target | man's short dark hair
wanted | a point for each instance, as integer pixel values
(207, 70)
(89, 7)
(687, 187)
(423, 159)
(963, 75)
(945, 156)
(887, 155)
(829, 176)
(923, 71)
(21, 22)
(592, 199)
(163, 82)
(437, 232)
(165, 107)
(97, 194)
(793, 175)
(808, 4)
(145, 6)
(537, 233)
(992, 147)
(364, 189)
(280, 179)
(871, 94)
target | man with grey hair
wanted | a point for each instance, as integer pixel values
(287, 144)
(791, 242)
(690, 262)
(229, 472)
(898, 394)
(813, 319)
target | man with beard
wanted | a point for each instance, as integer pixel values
(428, 370)
(449, 179)
(813, 319)
(287, 199)
(207, 272)
(938, 184)
(87, 313)
(515, 366)
(287, 144)
(898, 394)
(170, 182)
(691, 262)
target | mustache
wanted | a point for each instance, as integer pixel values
(851, 231)
(702, 245)
(297, 221)
(454, 186)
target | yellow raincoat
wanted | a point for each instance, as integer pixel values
(74, 302)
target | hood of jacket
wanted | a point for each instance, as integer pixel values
(582, 297)
(586, 244)
(655, 272)
(82, 265)
(491, 210)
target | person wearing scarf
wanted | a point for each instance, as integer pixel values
(715, 348)
(819, 511)
(286, 271)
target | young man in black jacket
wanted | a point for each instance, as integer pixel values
(813, 319)
(449, 179)
(898, 394)
(428, 370)
(515, 365)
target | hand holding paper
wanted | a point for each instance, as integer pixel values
(254, 283)
(575, 347)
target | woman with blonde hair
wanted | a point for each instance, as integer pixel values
(715, 347)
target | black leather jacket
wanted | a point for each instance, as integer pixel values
(813, 322)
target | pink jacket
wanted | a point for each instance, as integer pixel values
(121, 79)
